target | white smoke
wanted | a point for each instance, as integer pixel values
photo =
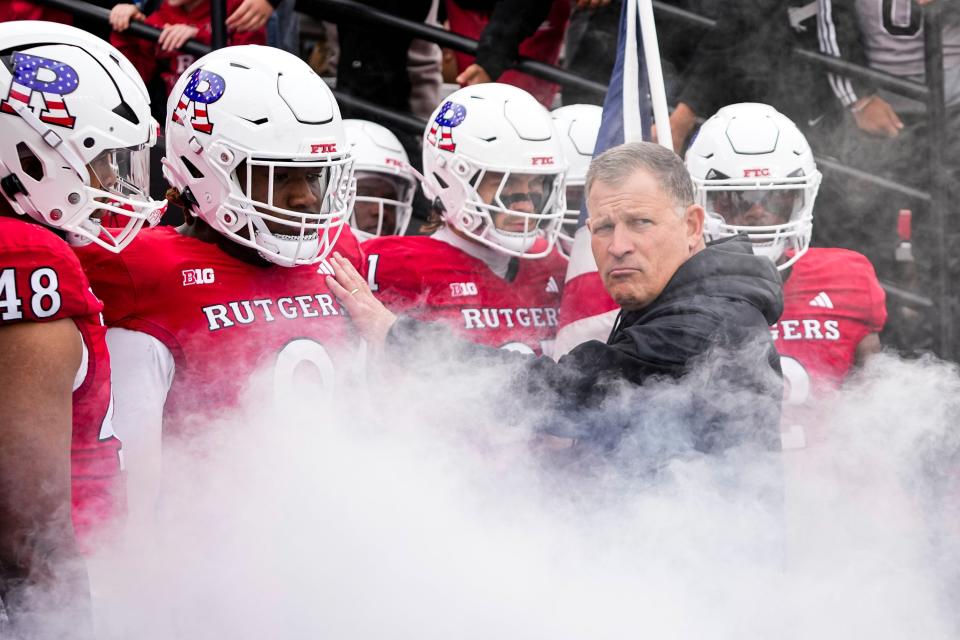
(433, 519)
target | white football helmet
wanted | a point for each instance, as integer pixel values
(256, 146)
(75, 134)
(578, 126)
(754, 173)
(496, 139)
(385, 182)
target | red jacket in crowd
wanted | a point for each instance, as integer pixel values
(11, 10)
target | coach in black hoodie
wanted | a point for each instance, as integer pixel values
(690, 364)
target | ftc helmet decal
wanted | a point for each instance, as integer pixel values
(450, 116)
(203, 89)
(52, 79)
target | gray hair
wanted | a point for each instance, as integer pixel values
(616, 164)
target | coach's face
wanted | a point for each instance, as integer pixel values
(638, 239)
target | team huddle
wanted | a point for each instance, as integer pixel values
(122, 325)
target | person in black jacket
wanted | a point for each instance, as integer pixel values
(690, 364)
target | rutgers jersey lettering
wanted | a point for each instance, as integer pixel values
(832, 301)
(431, 280)
(41, 281)
(221, 318)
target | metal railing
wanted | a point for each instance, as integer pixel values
(337, 10)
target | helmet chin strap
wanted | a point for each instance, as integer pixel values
(773, 249)
(517, 243)
(286, 250)
(89, 225)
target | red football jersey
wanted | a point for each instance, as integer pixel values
(41, 281)
(222, 318)
(432, 280)
(832, 300)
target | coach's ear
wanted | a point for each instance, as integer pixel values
(693, 219)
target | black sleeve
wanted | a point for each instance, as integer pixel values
(512, 22)
(839, 36)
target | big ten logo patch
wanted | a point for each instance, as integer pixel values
(462, 289)
(203, 89)
(198, 276)
(48, 79)
(450, 115)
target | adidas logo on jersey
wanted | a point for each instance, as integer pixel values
(822, 300)
(552, 286)
(325, 268)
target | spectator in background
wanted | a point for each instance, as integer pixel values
(748, 57)
(250, 15)
(11, 10)
(373, 62)
(425, 69)
(508, 29)
(892, 41)
(180, 21)
(591, 45)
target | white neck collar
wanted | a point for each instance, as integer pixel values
(498, 262)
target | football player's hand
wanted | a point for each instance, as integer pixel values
(175, 36)
(250, 15)
(875, 116)
(474, 74)
(371, 319)
(122, 14)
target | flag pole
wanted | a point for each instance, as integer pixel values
(632, 124)
(651, 54)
